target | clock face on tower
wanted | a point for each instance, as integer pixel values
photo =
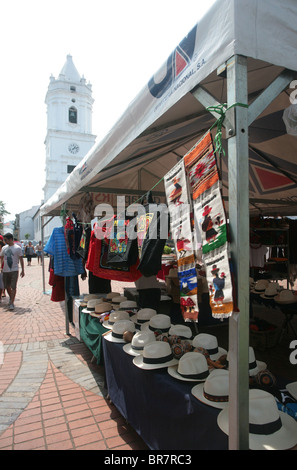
(73, 148)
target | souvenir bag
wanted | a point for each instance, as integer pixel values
(209, 214)
(122, 250)
(181, 230)
(152, 233)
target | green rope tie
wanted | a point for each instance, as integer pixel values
(221, 109)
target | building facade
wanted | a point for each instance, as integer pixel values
(69, 135)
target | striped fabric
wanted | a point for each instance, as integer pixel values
(64, 265)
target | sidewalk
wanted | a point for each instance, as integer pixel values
(51, 396)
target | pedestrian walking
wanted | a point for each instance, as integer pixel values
(11, 255)
(39, 249)
(29, 253)
(2, 290)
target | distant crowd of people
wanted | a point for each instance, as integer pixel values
(30, 251)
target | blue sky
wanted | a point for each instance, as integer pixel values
(116, 45)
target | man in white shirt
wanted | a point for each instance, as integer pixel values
(10, 257)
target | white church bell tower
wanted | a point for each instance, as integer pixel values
(69, 129)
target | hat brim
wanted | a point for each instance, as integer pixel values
(85, 310)
(285, 302)
(146, 326)
(216, 356)
(96, 315)
(272, 297)
(112, 339)
(174, 373)
(138, 361)
(259, 292)
(197, 391)
(260, 366)
(284, 439)
(107, 325)
(292, 389)
(129, 350)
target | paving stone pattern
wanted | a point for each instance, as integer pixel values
(52, 396)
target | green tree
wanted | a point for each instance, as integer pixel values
(3, 212)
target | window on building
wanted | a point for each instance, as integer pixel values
(70, 168)
(73, 88)
(73, 115)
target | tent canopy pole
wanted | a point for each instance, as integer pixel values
(238, 176)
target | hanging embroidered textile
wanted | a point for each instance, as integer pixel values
(97, 257)
(209, 214)
(180, 223)
(201, 166)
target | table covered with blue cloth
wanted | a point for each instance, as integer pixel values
(159, 407)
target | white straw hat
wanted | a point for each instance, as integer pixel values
(285, 297)
(129, 305)
(143, 316)
(139, 340)
(156, 355)
(260, 286)
(92, 296)
(292, 389)
(111, 295)
(192, 367)
(210, 343)
(120, 298)
(116, 335)
(183, 331)
(255, 366)
(91, 305)
(159, 322)
(269, 428)
(115, 316)
(271, 291)
(215, 390)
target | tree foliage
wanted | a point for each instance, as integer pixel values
(3, 212)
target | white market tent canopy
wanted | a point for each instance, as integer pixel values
(242, 54)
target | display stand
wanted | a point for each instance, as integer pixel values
(161, 409)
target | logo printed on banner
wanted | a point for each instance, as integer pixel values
(177, 62)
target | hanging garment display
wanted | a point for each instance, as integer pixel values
(64, 265)
(152, 233)
(181, 229)
(209, 215)
(97, 261)
(73, 232)
(122, 250)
